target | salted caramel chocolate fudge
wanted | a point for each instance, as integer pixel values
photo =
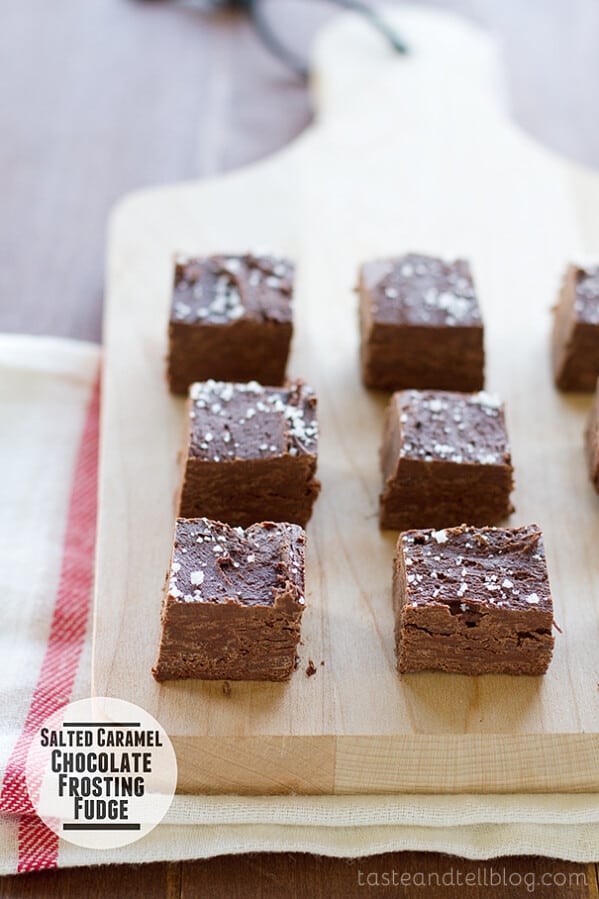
(251, 453)
(472, 601)
(575, 339)
(445, 459)
(420, 324)
(231, 320)
(233, 602)
(592, 440)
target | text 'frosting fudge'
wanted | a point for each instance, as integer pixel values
(233, 603)
(445, 459)
(575, 340)
(231, 319)
(420, 325)
(473, 601)
(251, 453)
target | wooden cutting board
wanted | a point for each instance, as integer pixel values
(409, 153)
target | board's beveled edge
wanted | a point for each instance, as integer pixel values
(365, 764)
(264, 765)
(469, 763)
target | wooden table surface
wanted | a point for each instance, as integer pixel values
(101, 97)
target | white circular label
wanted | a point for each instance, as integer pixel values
(101, 772)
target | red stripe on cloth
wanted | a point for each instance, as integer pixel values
(38, 846)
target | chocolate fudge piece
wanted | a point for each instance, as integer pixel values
(575, 341)
(592, 440)
(472, 601)
(233, 602)
(420, 324)
(445, 459)
(231, 319)
(251, 453)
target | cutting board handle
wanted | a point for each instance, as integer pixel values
(349, 58)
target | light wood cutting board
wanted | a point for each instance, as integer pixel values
(408, 154)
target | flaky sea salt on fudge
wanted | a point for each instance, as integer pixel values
(250, 453)
(473, 601)
(233, 603)
(445, 459)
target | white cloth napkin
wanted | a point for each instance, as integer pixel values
(49, 415)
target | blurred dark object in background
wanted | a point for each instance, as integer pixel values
(276, 37)
(103, 97)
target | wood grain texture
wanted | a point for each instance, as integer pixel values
(113, 95)
(104, 97)
(296, 876)
(456, 178)
(156, 881)
(424, 874)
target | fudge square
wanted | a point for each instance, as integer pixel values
(472, 601)
(251, 453)
(592, 440)
(231, 319)
(233, 602)
(445, 459)
(420, 324)
(575, 339)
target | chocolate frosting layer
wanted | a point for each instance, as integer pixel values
(452, 427)
(247, 421)
(214, 563)
(223, 289)
(586, 302)
(422, 290)
(474, 569)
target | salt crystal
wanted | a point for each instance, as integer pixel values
(483, 398)
(181, 310)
